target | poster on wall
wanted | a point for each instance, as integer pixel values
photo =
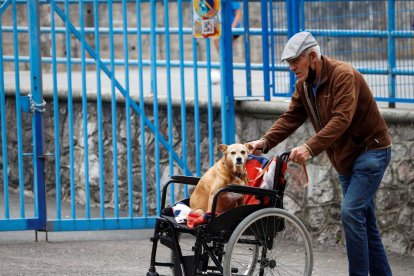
(206, 18)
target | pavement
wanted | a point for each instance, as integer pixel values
(125, 252)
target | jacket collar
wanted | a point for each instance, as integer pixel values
(324, 72)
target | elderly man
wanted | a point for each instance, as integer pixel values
(349, 127)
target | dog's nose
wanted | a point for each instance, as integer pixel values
(239, 160)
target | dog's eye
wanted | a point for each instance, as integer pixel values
(233, 153)
(243, 152)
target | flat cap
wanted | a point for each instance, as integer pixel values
(297, 44)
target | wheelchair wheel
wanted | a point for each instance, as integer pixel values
(270, 241)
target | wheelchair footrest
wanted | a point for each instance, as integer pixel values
(164, 264)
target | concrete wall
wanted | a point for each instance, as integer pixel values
(318, 204)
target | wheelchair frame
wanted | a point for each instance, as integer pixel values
(225, 231)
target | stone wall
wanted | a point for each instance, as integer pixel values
(79, 150)
(318, 204)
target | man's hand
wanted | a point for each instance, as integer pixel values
(258, 146)
(300, 155)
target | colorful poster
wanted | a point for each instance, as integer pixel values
(206, 18)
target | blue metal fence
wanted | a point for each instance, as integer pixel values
(116, 53)
(68, 67)
(375, 36)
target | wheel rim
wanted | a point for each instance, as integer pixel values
(253, 248)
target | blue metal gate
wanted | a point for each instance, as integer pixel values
(99, 169)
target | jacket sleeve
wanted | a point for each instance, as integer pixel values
(287, 123)
(345, 100)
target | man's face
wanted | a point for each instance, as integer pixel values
(300, 66)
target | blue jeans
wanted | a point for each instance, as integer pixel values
(363, 242)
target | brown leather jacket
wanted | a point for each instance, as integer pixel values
(344, 115)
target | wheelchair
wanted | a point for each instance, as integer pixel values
(253, 239)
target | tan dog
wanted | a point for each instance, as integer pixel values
(230, 169)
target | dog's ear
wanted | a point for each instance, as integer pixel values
(222, 148)
(248, 146)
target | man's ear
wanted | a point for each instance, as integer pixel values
(313, 55)
(222, 148)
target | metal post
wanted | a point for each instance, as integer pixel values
(37, 120)
(293, 12)
(301, 18)
(246, 37)
(265, 50)
(391, 52)
(227, 95)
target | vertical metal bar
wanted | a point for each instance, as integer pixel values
(302, 15)
(84, 112)
(291, 32)
(142, 109)
(196, 111)
(265, 49)
(70, 113)
(247, 59)
(183, 105)
(227, 96)
(99, 111)
(4, 128)
(18, 111)
(295, 29)
(127, 109)
(295, 17)
(37, 119)
(272, 47)
(56, 114)
(169, 98)
(391, 52)
(154, 89)
(113, 111)
(210, 111)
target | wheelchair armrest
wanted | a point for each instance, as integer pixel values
(240, 190)
(178, 179)
(192, 180)
(250, 190)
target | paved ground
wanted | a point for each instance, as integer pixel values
(123, 253)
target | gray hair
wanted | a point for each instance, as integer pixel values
(315, 49)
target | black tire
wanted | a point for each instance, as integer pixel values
(281, 240)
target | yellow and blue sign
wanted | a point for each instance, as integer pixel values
(206, 18)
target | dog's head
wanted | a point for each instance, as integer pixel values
(236, 154)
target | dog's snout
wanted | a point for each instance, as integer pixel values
(239, 160)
